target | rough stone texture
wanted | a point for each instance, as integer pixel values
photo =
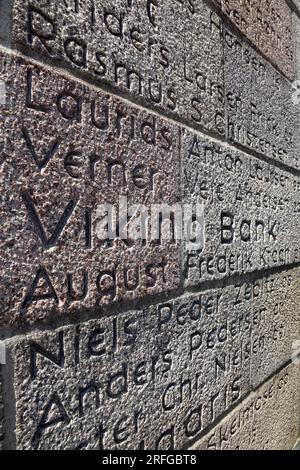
(296, 24)
(177, 65)
(6, 7)
(250, 211)
(172, 369)
(268, 25)
(117, 344)
(296, 4)
(164, 53)
(267, 420)
(276, 323)
(66, 148)
(261, 114)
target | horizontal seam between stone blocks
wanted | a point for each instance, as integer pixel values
(147, 301)
(293, 7)
(232, 409)
(228, 22)
(54, 66)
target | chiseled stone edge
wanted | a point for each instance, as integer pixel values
(232, 412)
(297, 445)
(294, 5)
(214, 6)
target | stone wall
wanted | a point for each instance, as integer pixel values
(268, 419)
(173, 342)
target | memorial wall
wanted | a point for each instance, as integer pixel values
(150, 229)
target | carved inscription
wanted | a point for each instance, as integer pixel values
(66, 149)
(134, 326)
(261, 114)
(267, 420)
(250, 211)
(151, 379)
(178, 57)
(268, 25)
(163, 53)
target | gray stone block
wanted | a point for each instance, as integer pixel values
(170, 56)
(267, 420)
(261, 113)
(120, 340)
(6, 7)
(275, 335)
(250, 211)
(163, 54)
(296, 25)
(154, 378)
(268, 25)
(67, 149)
